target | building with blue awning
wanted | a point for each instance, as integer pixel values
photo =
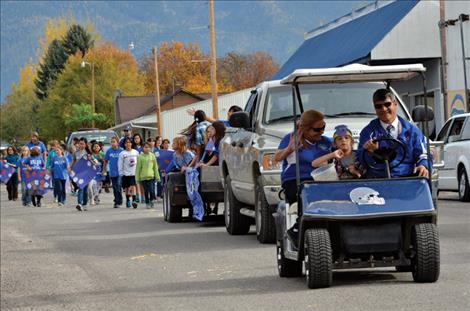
(390, 33)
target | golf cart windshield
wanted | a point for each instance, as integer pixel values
(333, 100)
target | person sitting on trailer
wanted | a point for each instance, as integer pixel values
(214, 134)
(389, 125)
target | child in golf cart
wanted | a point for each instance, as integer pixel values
(344, 158)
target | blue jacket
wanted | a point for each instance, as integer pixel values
(410, 135)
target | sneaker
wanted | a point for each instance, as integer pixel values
(60, 204)
(39, 204)
(137, 199)
(147, 205)
(79, 208)
(152, 204)
(142, 199)
(116, 206)
(134, 205)
(128, 204)
(56, 201)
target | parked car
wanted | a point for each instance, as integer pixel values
(103, 136)
(250, 174)
(455, 134)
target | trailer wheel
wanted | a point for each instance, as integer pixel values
(235, 223)
(426, 262)
(265, 226)
(165, 204)
(318, 258)
(287, 267)
(174, 213)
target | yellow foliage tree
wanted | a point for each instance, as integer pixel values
(115, 69)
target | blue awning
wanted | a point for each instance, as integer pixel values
(347, 43)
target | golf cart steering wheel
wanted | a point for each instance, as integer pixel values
(384, 155)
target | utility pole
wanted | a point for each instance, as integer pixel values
(464, 18)
(159, 123)
(215, 104)
(93, 92)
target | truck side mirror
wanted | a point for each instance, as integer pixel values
(421, 114)
(240, 119)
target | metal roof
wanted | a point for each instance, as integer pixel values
(354, 73)
(349, 42)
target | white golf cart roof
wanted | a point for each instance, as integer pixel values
(354, 73)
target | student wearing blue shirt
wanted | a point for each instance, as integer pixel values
(35, 142)
(35, 163)
(25, 193)
(389, 124)
(111, 158)
(214, 134)
(60, 167)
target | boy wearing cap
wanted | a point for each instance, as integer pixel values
(127, 134)
(343, 157)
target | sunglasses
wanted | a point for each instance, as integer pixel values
(319, 129)
(380, 106)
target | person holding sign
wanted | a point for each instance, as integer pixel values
(35, 163)
(82, 153)
(60, 167)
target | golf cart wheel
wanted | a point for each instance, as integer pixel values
(235, 223)
(287, 267)
(318, 258)
(426, 263)
(265, 226)
(464, 187)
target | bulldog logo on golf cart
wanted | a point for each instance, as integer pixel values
(366, 196)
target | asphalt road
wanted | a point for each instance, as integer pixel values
(123, 259)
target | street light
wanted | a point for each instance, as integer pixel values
(131, 45)
(92, 66)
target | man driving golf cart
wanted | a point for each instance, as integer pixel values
(405, 142)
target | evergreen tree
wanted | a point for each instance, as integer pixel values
(54, 63)
(77, 39)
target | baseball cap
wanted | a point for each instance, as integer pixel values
(128, 128)
(342, 131)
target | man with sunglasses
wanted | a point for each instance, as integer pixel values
(389, 125)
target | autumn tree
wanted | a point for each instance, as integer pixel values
(244, 71)
(17, 117)
(114, 69)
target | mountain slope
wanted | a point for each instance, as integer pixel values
(276, 27)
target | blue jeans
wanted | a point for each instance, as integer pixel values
(25, 194)
(117, 189)
(59, 189)
(149, 190)
(82, 196)
(55, 188)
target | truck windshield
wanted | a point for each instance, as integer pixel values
(104, 137)
(333, 100)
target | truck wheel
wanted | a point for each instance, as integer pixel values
(235, 223)
(464, 187)
(318, 258)
(287, 267)
(265, 226)
(426, 262)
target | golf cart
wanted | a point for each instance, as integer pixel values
(360, 223)
(175, 197)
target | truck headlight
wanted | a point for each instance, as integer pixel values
(269, 164)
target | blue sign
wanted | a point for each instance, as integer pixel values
(6, 171)
(164, 157)
(38, 182)
(83, 172)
